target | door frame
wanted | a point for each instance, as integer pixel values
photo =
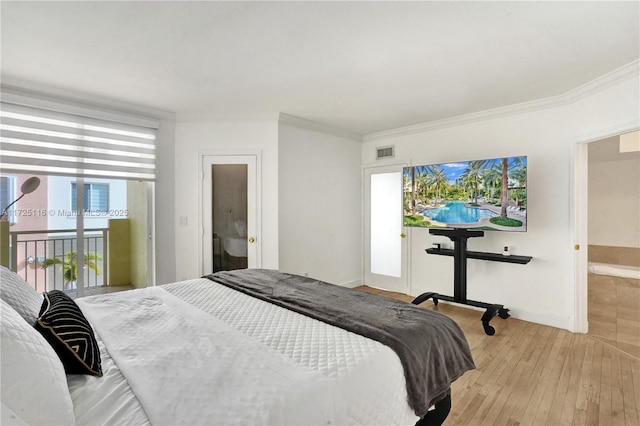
(405, 282)
(580, 205)
(151, 234)
(257, 234)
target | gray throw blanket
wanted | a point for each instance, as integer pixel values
(432, 348)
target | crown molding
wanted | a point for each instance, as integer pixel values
(16, 90)
(624, 73)
(302, 123)
(227, 118)
(619, 75)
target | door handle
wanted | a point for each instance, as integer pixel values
(403, 235)
(252, 240)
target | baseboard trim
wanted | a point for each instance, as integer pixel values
(544, 319)
(550, 320)
(352, 283)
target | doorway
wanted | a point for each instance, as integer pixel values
(385, 245)
(229, 213)
(613, 227)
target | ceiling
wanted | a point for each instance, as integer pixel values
(363, 67)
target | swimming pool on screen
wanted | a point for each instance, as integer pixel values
(457, 212)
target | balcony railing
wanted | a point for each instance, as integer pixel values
(29, 249)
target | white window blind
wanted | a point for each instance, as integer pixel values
(38, 140)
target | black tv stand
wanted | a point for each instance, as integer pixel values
(459, 236)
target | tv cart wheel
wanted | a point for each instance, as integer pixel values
(492, 311)
(489, 330)
(424, 297)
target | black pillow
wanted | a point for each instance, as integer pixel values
(66, 329)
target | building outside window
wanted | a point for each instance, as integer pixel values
(7, 195)
(96, 197)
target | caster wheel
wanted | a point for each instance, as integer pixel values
(504, 313)
(489, 330)
(435, 301)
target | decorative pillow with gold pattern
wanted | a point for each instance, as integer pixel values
(66, 329)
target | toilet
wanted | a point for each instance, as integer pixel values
(236, 246)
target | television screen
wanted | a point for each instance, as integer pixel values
(482, 194)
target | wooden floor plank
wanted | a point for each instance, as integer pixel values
(571, 396)
(536, 362)
(521, 392)
(605, 388)
(628, 391)
(535, 402)
(593, 399)
(582, 397)
(496, 382)
(531, 374)
(559, 391)
(506, 380)
(617, 398)
(635, 387)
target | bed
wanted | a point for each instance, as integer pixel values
(240, 347)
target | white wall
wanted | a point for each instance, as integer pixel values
(543, 290)
(194, 138)
(320, 195)
(614, 203)
(164, 203)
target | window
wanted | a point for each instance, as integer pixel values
(96, 197)
(7, 195)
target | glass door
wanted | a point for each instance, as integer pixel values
(76, 234)
(385, 241)
(229, 213)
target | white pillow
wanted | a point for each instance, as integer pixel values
(20, 295)
(34, 384)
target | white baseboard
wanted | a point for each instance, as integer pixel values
(352, 284)
(544, 319)
(550, 320)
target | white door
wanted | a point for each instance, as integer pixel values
(230, 217)
(385, 241)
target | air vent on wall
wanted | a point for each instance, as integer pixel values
(384, 152)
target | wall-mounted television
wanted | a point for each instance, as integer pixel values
(487, 195)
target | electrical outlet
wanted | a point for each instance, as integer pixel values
(183, 221)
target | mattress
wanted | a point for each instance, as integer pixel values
(362, 380)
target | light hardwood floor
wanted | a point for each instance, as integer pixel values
(531, 374)
(614, 312)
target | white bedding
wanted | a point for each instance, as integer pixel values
(234, 360)
(106, 400)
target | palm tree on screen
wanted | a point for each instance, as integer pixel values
(492, 178)
(438, 181)
(473, 174)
